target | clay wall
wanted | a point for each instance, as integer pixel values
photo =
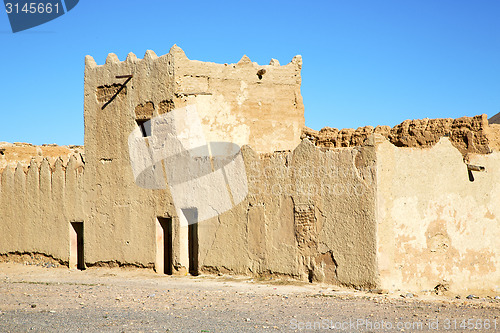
(395, 208)
(122, 215)
(120, 223)
(243, 103)
(309, 214)
(437, 224)
(39, 205)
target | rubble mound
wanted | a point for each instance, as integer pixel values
(467, 134)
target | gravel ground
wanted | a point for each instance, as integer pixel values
(49, 299)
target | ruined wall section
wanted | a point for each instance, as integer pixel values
(309, 215)
(468, 134)
(38, 206)
(243, 103)
(493, 134)
(437, 225)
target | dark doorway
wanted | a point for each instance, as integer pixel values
(191, 215)
(76, 244)
(166, 226)
(193, 248)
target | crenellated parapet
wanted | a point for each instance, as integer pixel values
(46, 197)
(42, 177)
(243, 103)
(386, 208)
(12, 154)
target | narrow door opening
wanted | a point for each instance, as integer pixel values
(191, 215)
(164, 245)
(76, 259)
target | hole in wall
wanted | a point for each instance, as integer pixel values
(145, 126)
(260, 73)
(166, 106)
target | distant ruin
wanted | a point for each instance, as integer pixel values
(409, 207)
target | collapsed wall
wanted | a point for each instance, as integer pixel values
(469, 135)
(493, 134)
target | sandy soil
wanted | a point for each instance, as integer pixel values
(55, 299)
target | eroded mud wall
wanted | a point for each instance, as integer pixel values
(436, 224)
(310, 214)
(39, 205)
(242, 103)
(470, 135)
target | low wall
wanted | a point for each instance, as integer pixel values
(38, 207)
(435, 225)
(371, 216)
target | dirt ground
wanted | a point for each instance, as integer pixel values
(55, 299)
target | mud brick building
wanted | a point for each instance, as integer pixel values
(409, 207)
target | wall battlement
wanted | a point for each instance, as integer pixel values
(150, 55)
(243, 103)
(12, 154)
(39, 205)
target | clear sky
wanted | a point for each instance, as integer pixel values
(370, 62)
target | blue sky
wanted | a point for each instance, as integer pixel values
(371, 62)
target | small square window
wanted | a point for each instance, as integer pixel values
(145, 126)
